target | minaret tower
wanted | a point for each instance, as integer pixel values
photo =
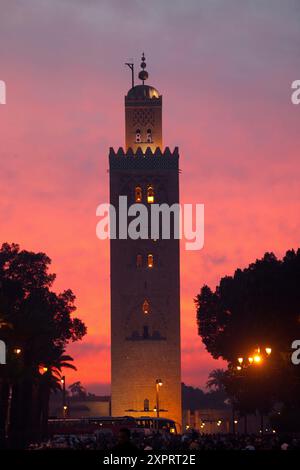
(145, 303)
(143, 109)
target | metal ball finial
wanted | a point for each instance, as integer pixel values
(143, 75)
(143, 64)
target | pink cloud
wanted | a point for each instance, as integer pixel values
(226, 91)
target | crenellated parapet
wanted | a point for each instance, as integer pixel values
(140, 159)
(129, 153)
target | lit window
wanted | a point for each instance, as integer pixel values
(150, 194)
(138, 194)
(146, 405)
(139, 261)
(149, 136)
(150, 261)
(138, 137)
(146, 307)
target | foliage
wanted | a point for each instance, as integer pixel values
(257, 307)
(38, 322)
(196, 399)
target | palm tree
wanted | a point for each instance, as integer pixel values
(50, 380)
(216, 380)
(38, 323)
(77, 390)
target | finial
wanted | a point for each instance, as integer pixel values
(143, 75)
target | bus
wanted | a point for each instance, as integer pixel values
(108, 424)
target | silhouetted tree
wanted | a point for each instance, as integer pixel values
(196, 399)
(38, 325)
(256, 307)
(216, 380)
(77, 390)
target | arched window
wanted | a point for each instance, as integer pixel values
(139, 261)
(145, 332)
(138, 137)
(150, 260)
(138, 194)
(146, 405)
(150, 194)
(146, 307)
(149, 136)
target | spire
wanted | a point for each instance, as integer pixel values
(143, 75)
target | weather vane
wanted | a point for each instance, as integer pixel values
(143, 74)
(131, 66)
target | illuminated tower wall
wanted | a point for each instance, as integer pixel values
(145, 304)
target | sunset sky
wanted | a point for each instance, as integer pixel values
(224, 69)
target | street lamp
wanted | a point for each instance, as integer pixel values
(63, 382)
(16, 351)
(257, 358)
(65, 409)
(158, 384)
(268, 351)
(43, 369)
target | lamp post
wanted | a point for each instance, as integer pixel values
(63, 382)
(233, 418)
(158, 384)
(256, 359)
(17, 352)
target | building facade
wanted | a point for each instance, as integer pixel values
(145, 289)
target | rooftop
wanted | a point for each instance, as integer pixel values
(143, 92)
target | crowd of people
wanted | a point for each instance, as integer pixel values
(163, 441)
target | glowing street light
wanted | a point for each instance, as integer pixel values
(268, 351)
(240, 360)
(257, 358)
(250, 359)
(63, 382)
(65, 410)
(158, 384)
(17, 351)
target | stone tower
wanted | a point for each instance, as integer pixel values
(145, 304)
